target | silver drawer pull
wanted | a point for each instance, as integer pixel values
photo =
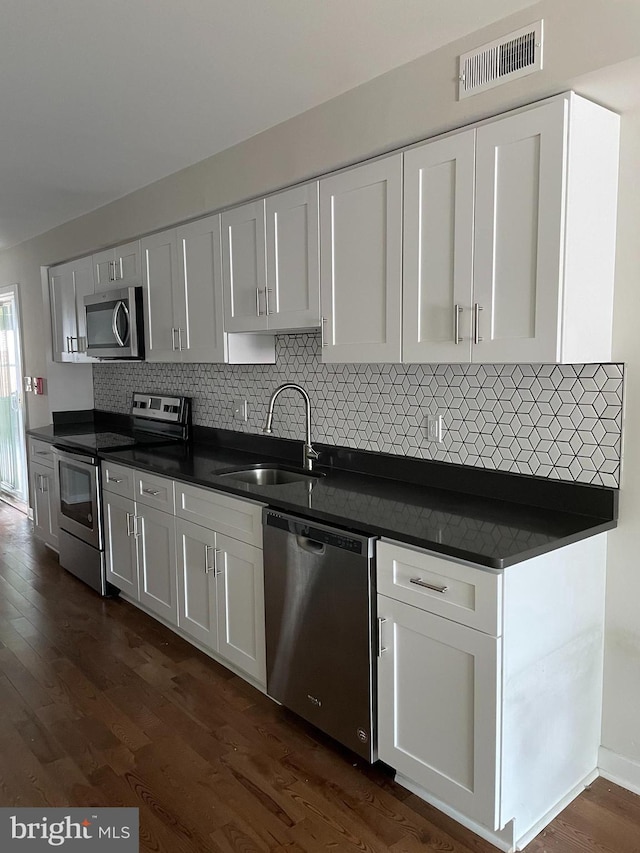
(114, 479)
(153, 492)
(43, 453)
(420, 582)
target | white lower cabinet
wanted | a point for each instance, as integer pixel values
(438, 708)
(240, 597)
(120, 543)
(193, 575)
(197, 613)
(156, 540)
(490, 684)
(44, 504)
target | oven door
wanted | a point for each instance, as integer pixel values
(78, 494)
(113, 323)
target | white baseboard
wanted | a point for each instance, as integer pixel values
(620, 770)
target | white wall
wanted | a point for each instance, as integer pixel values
(410, 103)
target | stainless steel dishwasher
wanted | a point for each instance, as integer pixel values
(319, 606)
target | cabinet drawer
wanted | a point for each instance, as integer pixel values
(41, 452)
(232, 516)
(458, 592)
(154, 491)
(118, 479)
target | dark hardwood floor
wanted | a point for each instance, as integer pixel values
(102, 706)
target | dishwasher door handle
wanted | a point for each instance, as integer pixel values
(306, 544)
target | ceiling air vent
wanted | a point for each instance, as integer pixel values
(509, 57)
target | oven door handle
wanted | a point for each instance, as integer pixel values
(79, 456)
(120, 306)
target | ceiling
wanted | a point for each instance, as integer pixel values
(98, 99)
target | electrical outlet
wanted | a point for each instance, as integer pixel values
(434, 428)
(240, 410)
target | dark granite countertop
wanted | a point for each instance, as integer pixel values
(489, 518)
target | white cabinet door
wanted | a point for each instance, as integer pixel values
(198, 298)
(44, 504)
(244, 268)
(361, 263)
(63, 311)
(439, 699)
(293, 262)
(84, 286)
(196, 562)
(240, 594)
(438, 250)
(520, 179)
(104, 270)
(156, 539)
(120, 543)
(127, 264)
(160, 282)
(68, 285)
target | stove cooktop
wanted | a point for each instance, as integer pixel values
(112, 440)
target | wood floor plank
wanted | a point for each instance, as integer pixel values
(102, 705)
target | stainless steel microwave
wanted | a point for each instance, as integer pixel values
(115, 327)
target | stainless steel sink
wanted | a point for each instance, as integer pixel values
(269, 475)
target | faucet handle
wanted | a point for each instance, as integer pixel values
(310, 453)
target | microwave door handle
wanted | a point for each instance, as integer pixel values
(114, 323)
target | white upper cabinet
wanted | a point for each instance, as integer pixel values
(521, 168)
(361, 262)
(119, 267)
(438, 250)
(522, 271)
(271, 263)
(198, 313)
(68, 285)
(182, 280)
(160, 282)
(244, 268)
(293, 262)
(546, 202)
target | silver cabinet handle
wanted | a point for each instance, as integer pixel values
(381, 649)
(180, 347)
(113, 479)
(68, 340)
(267, 291)
(476, 323)
(207, 566)
(215, 561)
(116, 270)
(420, 582)
(44, 487)
(129, 525)
(42, 452)
(258, 311)
(323, 322)
(457, 311)
(153, 492)
(112, 271)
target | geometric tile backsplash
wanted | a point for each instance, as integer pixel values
(557, 421)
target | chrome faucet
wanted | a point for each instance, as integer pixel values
(308, 453)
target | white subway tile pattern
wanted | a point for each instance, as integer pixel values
(557, 421)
